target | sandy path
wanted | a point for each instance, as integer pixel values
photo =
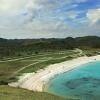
(21, 69)
(25, 58)
(78, 50)
(37, 62)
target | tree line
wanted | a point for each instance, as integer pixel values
(19, 47)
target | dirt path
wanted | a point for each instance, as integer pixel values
(40, 61)
(24, 58)
(80, 51)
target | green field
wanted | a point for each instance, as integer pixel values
(9, 93)
(13, 67)
(9, 69)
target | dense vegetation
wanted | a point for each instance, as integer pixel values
(19, 47)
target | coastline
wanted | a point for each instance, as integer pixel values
(37, 81)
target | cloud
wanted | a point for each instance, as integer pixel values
(12, 6)
(16, 5)
(80, 1)
(93, 15)
(47, 18)
(72, 14)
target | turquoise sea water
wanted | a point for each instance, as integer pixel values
(82, 83)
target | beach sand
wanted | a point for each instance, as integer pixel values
(36, 81)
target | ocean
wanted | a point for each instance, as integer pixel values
(82, 83)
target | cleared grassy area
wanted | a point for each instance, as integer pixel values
(9, 93)
(34, 55)
(15, 67)
(10, 69)
(91, 52)
(42, 55)
(42, 65)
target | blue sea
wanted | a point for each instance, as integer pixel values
(82, 83)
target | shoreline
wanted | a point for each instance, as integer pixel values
(37, 81)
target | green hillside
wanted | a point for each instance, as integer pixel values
(20, 47)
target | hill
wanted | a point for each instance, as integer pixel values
(19, 47)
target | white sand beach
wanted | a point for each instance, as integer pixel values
(36, 81)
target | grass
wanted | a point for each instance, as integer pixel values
(42, 65)
(8, 68)
(9, 93)
(91, 51)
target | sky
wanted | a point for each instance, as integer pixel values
(49, 18)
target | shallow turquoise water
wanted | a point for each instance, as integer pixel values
(82, 83)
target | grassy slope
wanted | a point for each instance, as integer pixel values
(9, 93)
(8, 68)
